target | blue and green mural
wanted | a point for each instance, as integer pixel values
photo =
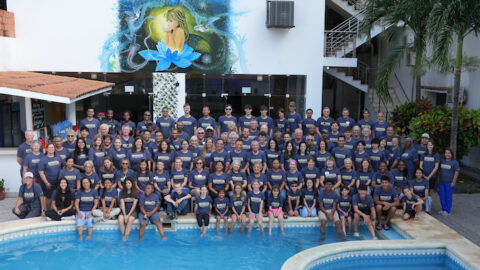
(191, 36)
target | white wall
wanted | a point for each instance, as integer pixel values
(9, 169)
(8, 54)
(59, 35)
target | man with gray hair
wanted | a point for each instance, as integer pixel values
(70, 143)
(25, 148)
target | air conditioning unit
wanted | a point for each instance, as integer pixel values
(462, 96)
(280, 14)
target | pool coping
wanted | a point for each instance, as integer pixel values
(425, 233)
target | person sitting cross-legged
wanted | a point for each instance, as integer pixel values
(177, 202)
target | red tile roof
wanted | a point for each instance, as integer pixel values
(62, 86)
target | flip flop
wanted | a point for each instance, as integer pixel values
(386, 227)
(379, 227)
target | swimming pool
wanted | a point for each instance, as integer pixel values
(183, 249)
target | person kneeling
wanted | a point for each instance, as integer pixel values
(62, 202)
(328, 204)
(30, 202)
(109, 203)
(412, 205)
(149, 204)
(177, 202)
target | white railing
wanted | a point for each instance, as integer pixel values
(342, 35)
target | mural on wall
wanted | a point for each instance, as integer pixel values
(191, 36)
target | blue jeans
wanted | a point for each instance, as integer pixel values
(445, 192)
(180, 210)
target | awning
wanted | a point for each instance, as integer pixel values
(47, 87)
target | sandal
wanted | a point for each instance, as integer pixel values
(379, 227)
(386, 227)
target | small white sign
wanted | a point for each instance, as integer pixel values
(246, 90)
(129, 88)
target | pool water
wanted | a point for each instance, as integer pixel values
(438, 261)
(183, 249)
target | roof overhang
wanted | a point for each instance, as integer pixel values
(48, 97)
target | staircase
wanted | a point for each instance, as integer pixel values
(378, 105)
(357, 77)
(346, 8)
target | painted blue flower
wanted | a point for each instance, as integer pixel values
(165, 57)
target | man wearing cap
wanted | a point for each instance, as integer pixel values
(293, 118)
(422, 147)
(30, 202)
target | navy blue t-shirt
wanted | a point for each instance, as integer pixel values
(238, 203)
(31, 161)
(189, 123)
(255, 200)
(31, 195)
(51, 166)
(218, 181)
(143, 179)
(238, 177)
(221, 205)
(149, 202)
(276, 178)
(345, 203)
(198, 179)
(294, 177)
(448, 169)
(275, 203)
(161, 179)
(87, 199)
(327, 199)
(385, 196)
(203, 205)
(419, 188)
(309, 196)
(179, 176)
(363, 205)
(71, 177)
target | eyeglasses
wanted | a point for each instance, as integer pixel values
(201, 132)
(199, 163)
(70, 135)
(124, 163)
(228, 109)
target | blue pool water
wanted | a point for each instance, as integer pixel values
(434, 261)
(183, 249)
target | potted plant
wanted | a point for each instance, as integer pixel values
(2, 189)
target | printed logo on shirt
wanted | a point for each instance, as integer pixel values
(53, 163)
(28, 195)
(309, 197)
(325, 200)
(346, 177)
(385, 198)
(100, 154)
(380, 129)
(204, 204)
(238, 203)
(164, 124)
(275, 204)
(150, 203)
(90, 125)
(430, 159)
(140, 155)
(35, 161)
(218, 181)
(87, 199)
(345, 204)
(160, 179)
(256, 200)
(310, 175)
(445, 166)
(221, 205)
(187, 123)
(143, 178)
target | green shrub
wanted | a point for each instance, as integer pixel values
(437, 124)
(403, 114)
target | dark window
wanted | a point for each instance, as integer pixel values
(3, 4)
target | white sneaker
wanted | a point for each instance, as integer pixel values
(49, 219)
(375, 238)
(356, 234)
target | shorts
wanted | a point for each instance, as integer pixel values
(153, 218)
(366, 211)
(275, 210)
(84, 219)
(203, 219)
(48, 192)
(226, 215)
(134, 213)
(411, 212)
(322, 215)
(340, 214)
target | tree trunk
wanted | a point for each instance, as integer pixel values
(456, 93)
(417, 71)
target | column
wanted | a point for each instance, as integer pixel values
(71, 113)
(28, 114)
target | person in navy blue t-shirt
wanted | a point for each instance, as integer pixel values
(177, 202)
(149, 204)
(364, 208)
(165, 123)
(30, 202)
(225, 120)
(412, 205)
(203, 205)
(275, 204)
(256, 199)
(344, 209)
(221, 204)
(128, 205)
(386, 202)
(91, 123)
(449, 171)
(238, 203)
(293, 118)
(86, 200)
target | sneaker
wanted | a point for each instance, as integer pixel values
(285, 217)
(49, 219)
(440, 212)
(444, 213)
(168, 217)
(175, 215)
(375, 238)
(356, 234)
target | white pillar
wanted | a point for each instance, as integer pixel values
(71, 113)
(313, 93)
(28, 114)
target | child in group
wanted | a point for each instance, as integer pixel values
(238, 204)
(275, 203)
(344, 209)
(203, 205)
(86, 201)
(149, 204)
(412, 205)
(255, 206)
(108, 201)
(293, 199)
(128, 205)
(309, 198)
(221, 204)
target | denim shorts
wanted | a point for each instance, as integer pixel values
(153, 218)
(84, 219)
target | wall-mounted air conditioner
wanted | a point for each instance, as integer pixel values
(280, 14)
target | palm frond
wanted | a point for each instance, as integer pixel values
(388, 65)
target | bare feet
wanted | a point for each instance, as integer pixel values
(80, 238)
(269, 232)
(88, 237)
(164, 237)
(139, 239)
(125, 238)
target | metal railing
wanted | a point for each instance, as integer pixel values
(342, 35)
(381, 105)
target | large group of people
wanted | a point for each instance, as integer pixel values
(238, 169)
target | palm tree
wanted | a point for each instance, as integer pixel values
(412, 13)
(452, 19)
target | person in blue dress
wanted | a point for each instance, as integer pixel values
(430, 162)
(255, 205)
(86, 200)
(30, 202)
(128, 205)
(149, 204)
(449, 171)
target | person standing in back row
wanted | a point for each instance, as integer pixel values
(165, 123)
(293, 118)
(91, 123)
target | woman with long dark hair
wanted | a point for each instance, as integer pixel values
(62, 201)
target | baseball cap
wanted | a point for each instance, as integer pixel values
(292, 103)
(425, 135)
(28, 174)
(209, 128)
(409, 138)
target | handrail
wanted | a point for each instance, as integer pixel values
(401, 86)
